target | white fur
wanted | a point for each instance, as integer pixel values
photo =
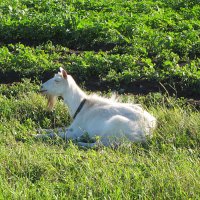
(109, 120)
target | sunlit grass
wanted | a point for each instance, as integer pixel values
(166, 167)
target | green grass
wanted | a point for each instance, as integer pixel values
(123, 45)
(166, 167)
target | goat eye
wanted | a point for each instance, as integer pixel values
(57, 81)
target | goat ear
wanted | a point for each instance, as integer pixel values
(61, 69)
(64, 73)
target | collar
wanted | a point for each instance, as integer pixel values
(79, 108)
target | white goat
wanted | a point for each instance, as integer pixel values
(98, 117)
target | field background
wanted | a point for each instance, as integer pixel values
(148, 51)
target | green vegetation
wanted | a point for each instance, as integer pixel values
(165, 167)
(113, 42)
(119, 44)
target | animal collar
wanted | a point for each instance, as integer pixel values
(79, 108)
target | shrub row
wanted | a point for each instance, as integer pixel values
(147, 27)
(151, 40)
(19, 61)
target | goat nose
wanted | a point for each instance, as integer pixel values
(42, 87)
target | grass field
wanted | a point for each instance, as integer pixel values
(136, 46)
(166, 167)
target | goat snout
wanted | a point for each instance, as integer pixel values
(42, 89)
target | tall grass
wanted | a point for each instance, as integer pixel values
(166, 167)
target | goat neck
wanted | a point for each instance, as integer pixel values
(73, 96)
